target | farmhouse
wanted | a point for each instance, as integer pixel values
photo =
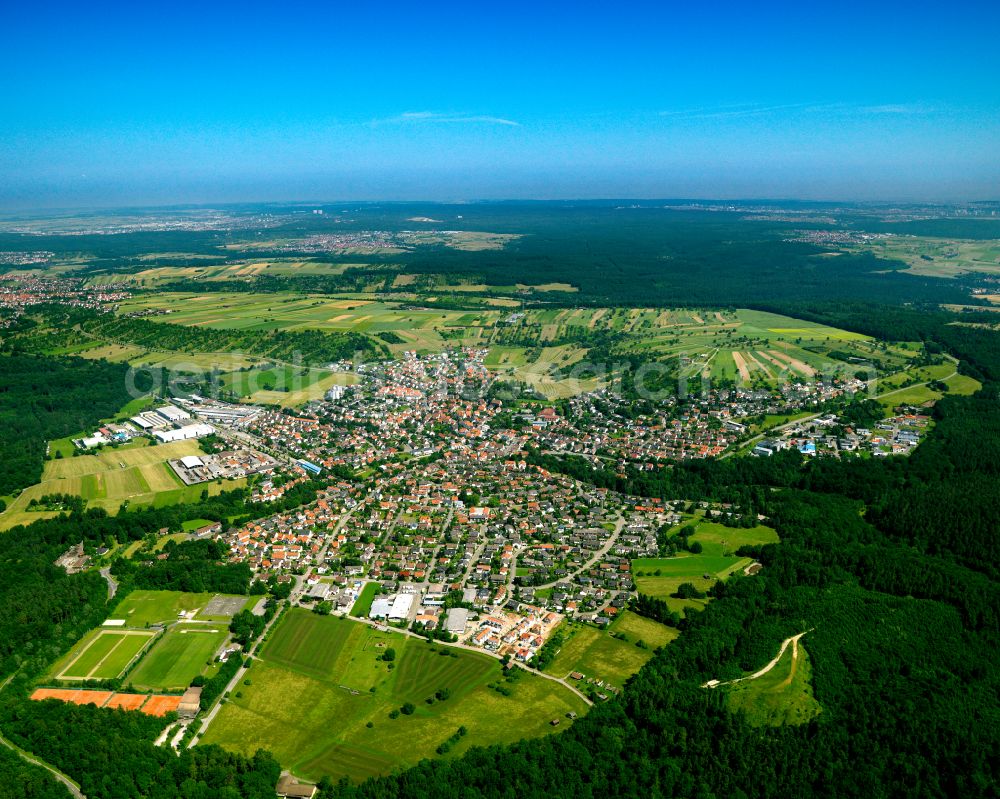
(291, 788)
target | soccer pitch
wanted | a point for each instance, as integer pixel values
(178, 657)
(106, 654)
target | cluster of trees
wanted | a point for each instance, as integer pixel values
(43, 398)
(111, 754)
(195, 566)
(20, 779)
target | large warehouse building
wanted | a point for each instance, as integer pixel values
(182, 433)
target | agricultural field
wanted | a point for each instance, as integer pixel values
(603, 655)
(909, 387)
(315, 668)
(286, 386)
(135, 473)
(661, 577)
(420, 328)
(936, 257)
(178, 657)
(753, 347)
(232, 270)
(102, 654)
(783, 695)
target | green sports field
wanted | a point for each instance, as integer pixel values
(317, 669)
(178, 657)
(102, 655)
(144, 607)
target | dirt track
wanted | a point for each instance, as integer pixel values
(794, 641)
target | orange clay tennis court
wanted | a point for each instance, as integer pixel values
(151, 705)
(127, 701)
(161, 705)
(75, 697)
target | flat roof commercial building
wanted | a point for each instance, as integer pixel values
(456, 620)
(401, 607)
(184, 433)
(172, 413)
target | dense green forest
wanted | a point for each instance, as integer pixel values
(20, 780)
(46, 398)
(614, 253)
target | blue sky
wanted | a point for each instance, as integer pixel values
(110, 104)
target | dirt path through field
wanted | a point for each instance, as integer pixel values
(782, 366)
(794, 641)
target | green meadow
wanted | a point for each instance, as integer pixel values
(661, 577)
(612, 655)
(782, 696)
(317, 669)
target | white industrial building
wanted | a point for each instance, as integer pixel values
(401, 607)
(380, 608)
(183, 433)
(393, 608)
(191, 462)
(172, 413)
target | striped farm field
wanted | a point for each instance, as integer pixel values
(323, 693)
(133, 473)
(302, 644)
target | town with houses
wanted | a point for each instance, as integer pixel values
(23, 290)
(450, 529)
